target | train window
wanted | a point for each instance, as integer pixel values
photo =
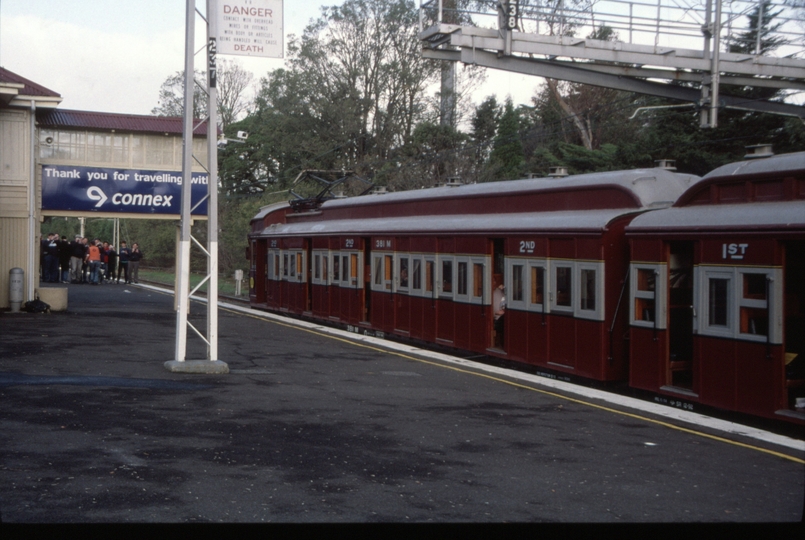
(478, 280)
(389, 267)
(588, 289)
(645, 305)
(277, 270)
(754, 309)
(740, 303)
(713, 289)
(429, 275)
(325, 276)
(345, 270)
(285, 264)
(718, 302)
(446, 277)
(646, 279)
(300, 265)
(537, 285)
(590, 284)
(319, 269)
(377, 271)
(514, 279)
(563, 285)
(462, 278)
(353, 270)
(403, 272)
(517, 294)
(336, 268)
(754, 286)
(416, 274)
(292, 271)
(648, 296)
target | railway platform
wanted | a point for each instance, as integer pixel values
(315, 425)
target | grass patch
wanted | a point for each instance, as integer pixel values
(226, 284)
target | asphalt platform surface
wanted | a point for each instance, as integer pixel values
(309, 428)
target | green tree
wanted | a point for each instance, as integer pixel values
(350, 96)
(484, 125)
(507, 150)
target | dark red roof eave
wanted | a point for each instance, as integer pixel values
(30, 88)
(72, 119)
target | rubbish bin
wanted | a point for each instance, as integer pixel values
(16, 277)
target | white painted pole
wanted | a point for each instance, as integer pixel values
(183, 263)
(716, 67)
(212, 182)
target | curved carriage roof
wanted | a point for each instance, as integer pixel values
(776, 215)
(784, 215)
(648, 188)
(496, 206)
(593, 221)
(774, 164)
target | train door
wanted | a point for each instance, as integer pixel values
(430, 292)
(308, 281)
(794, 321)
(402, 293)
(366, 291)
(445, 280)
(258, 271)
(680, 315)
(498, 330)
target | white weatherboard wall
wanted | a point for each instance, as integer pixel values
(15, 178)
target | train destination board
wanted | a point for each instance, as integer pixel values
(250, 28)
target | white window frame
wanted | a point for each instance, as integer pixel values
(434, 261)
(457, 296)
(379, 281)
(486, 281)
(510, 264)
(413, 291)
(659, 295)
(296, 273)
(545, 305)
(346, 265)
(399, 288)
(701, 287)
(335, 256)
(347, 281)
(553, 265)
(440, 260)
(272, 253)
(735, 301)
(596, 314)
(324, 278)
(377, 272)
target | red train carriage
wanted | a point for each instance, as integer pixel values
(425, 265)
(717, 291)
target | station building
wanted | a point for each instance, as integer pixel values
(38, 139)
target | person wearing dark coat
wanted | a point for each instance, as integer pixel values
(77, 253)
(134, 262)
(123, 261)
(64, 259)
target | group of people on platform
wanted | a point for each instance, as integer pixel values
(85, 261)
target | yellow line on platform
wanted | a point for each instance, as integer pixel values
(527, 387)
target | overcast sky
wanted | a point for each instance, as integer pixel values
(113, 55)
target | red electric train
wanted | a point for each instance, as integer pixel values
(606, 276)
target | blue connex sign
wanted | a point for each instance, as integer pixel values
(125, 191)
